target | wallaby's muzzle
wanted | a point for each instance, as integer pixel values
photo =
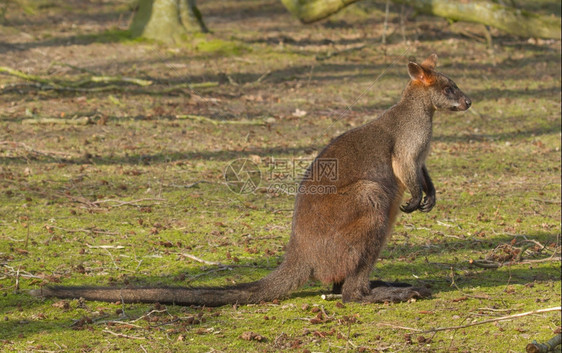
(463, 104)
(467, 102)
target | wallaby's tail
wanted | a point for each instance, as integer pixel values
(277, 284)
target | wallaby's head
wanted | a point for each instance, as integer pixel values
(443, 92)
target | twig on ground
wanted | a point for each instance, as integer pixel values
(542, 247)
(326, 316)
(17, 286)
(77, 199)
(105, 246)
(452, 276)
(51, 154)
(117, 322)
(310, 75)
(502, 318)
(113, 260)
(57, 121)
(27, 235)
(194, 277)
(453, 336)
(385, 23)
(195, 258)
(187, 186)
(204, 119)
(348, 338)
(123, 335)
(181, 86)
(550, 259)
(321, 57)
(23, 275)
(232, 81)
(519, 256)
(89, 231)
(556, 202)
(493, 264)
(471, 35)
(139, 264)
(495, 310)
(119, 203)
(149, 313)
(262, 77)
(81, 69)
(449, 225)
(19, 273)
(398, 327)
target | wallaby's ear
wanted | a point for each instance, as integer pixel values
(418, 73)
(430, 62)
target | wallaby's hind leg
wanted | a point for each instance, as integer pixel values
(356, 286)
(336, 288)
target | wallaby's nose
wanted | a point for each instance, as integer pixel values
(468, 102)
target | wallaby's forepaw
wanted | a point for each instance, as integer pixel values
(427, 203)
(412, 205)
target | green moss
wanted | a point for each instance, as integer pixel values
(219, 46)
(109, 36)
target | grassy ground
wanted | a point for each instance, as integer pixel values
(118, 187)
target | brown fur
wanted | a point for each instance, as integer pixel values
(337, 237)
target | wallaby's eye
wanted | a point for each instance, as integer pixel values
(448, 90)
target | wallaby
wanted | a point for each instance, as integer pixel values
(337, 237)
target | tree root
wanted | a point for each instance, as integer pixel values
(98, 83)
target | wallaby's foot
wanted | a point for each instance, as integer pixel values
(381, 292)
(396, 294)
(337, 287)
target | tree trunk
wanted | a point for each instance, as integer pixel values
(167, 20)
(508, 19)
